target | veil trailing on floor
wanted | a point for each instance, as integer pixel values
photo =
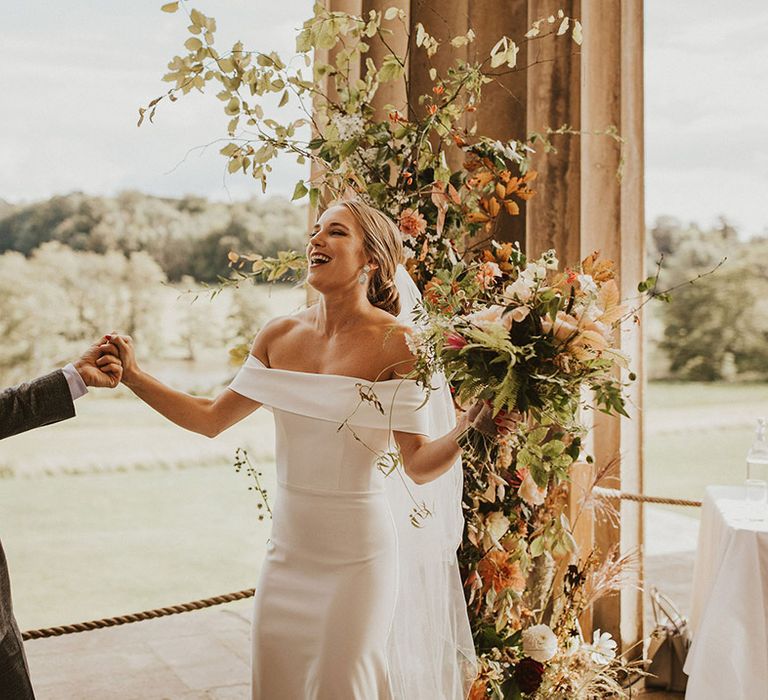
(431, 650)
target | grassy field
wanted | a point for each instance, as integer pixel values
(699, 434)
(119, 510)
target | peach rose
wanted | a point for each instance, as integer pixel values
(488, 273)
(412, 223)
(566, 326)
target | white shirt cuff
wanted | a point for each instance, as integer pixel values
(76, 384)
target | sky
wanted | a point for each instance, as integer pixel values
(73, 75)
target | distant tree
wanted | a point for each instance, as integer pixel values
(199, 325)
(185, 236)
(717, 327)
(58, 299)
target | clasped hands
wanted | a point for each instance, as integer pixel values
(108, 362)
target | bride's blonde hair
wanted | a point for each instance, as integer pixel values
(382, 243)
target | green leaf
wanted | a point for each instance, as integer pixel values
(390, 69)
(234, 165)
(170, 7)
(304, 41)
(391, 13)
(193, 43)
(577, 35)
(299, 191)
(376, 190)
(284, 99)
(198, 18)
(348, 147)
(314, 197)
(536, 547)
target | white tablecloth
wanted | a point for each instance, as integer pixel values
(728, 659)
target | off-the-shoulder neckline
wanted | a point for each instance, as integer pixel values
(326, 374)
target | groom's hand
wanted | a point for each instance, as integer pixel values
(100, 366)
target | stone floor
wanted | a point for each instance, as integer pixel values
(204, 655)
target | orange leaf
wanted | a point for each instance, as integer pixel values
(512, 186)
(511, 207)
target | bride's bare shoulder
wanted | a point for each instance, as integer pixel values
(277, 327)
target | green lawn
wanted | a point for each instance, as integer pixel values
(699, 434)
(119, 510)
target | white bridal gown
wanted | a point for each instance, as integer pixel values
(327, 592)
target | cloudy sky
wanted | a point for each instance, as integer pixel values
(72, 76)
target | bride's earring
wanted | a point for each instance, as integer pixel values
(363, 278)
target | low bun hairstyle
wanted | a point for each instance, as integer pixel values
(381, 243)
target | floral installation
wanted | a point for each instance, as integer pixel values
(519, 335)
(525, 338)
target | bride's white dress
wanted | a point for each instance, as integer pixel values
(327, 592)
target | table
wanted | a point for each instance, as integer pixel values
(729, 605)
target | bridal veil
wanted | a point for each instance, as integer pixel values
(431, 649)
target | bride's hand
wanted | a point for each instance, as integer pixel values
(124, 345)
(467, 417)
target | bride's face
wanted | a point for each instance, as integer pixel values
(338, 237)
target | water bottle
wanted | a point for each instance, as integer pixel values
(757, 473)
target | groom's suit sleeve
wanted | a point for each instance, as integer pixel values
(42, 401)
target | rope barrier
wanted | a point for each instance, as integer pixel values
(640, 498)
(240, 595)
(137, 617)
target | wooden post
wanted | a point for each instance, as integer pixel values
(612, 221)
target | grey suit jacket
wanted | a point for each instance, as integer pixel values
(23, 407)
(39, 402)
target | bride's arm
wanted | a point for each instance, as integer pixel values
(425, 459)
(200, 415)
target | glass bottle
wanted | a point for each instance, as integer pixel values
(757, 473)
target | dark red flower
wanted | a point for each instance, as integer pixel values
(528, 674)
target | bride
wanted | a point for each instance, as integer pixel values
(353, 601)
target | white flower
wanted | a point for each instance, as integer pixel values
(574, 644)
(530, 491)
(415, 342)
(603, 648)
(520, 289)
(496, 526)
(549, 259)
(587, 284)
(486, 318)
(540, 643)
(539, 272)
(348, 125)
